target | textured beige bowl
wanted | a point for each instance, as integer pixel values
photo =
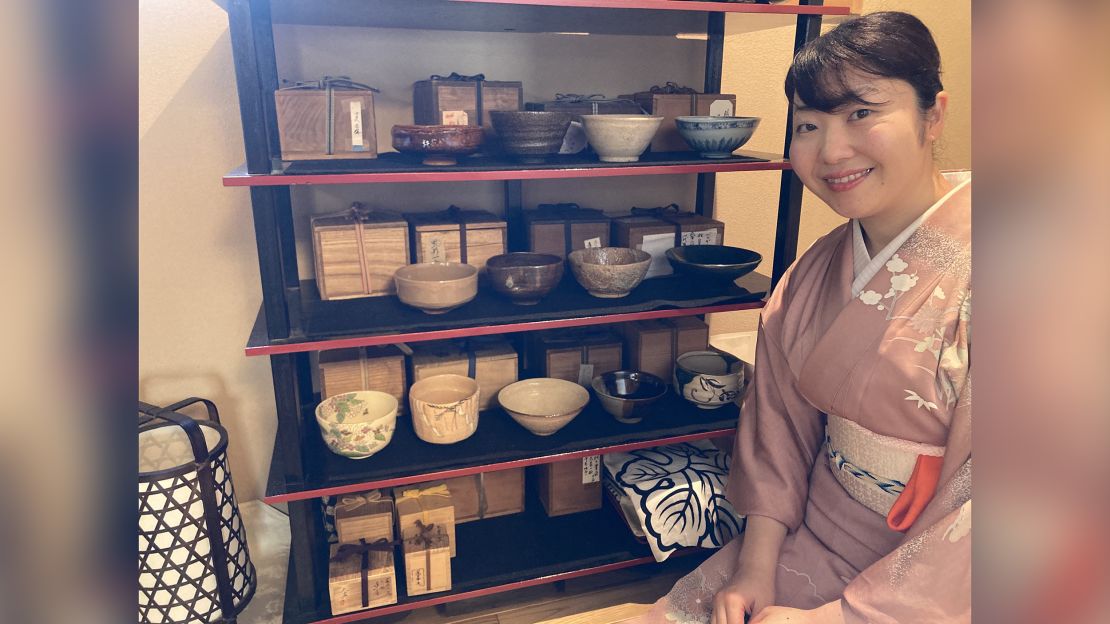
(543, 405)
(609, 272)
(436, 287)
(620, 138)
(444, 408)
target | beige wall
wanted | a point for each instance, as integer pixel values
(199, 288)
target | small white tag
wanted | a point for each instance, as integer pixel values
(657, 245)
(593, 242)
(585, 375)
(437, 252)
(720, 108)
(591, 469)
(703, 237)
(455, 118)
(358, 141)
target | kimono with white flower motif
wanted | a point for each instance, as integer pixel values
(857, 432)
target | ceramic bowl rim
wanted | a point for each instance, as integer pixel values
(598, 378)
(624, 117)
(729, 359)
(491, 261)
(679, 257)
(432, 128)
(392, 414)
(579, 256)
(471, 274)
(471, 380)
(711, 119)
(546, 380)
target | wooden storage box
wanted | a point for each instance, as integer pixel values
(364, 368)
(463, 100)
(456, 235)
(655, 230)
(587, 105)
(487, 494)
(492, 362)
(559, 229)
(357, 252)
(365, 516)
(664, 102)
(428, 503)
(576, 355)
(569, 486)
(427, 561)
(332, 118)
(345, 574)
(652, 346)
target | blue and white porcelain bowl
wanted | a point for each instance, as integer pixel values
(709, 379)
(716, 137)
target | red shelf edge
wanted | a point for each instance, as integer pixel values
(518, 463)
(485, 330)
(676, 5)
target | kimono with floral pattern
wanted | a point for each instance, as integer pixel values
(887, 367)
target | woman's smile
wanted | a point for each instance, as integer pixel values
(846, 181)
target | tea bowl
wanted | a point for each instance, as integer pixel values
(439, 144)
(625, 394)
(524, 277)
(609, 272)
(709, 379)
(713, 263)
(444, 408)
(620, 138)
(357, 424)
(436, 287)
(531, 135)
(543, 405)
(716, 137)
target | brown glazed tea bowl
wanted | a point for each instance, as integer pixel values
(543, 405)
(439, 144)
(609, 272)
(625, 394)
(530, 135)
(436, 287)
(524, 277)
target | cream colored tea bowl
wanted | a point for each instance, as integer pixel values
(543, 405)
(620, 138)
(357, 424)
(436, 287)
(444, 408)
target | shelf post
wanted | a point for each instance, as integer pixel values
(714, 61)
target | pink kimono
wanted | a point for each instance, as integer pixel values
(857, 432)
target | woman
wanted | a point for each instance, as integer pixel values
(852, 460)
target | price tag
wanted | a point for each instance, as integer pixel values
(720, 108)
(703, 237)
(593, 242)
(591, 469)
(358, 141)
(455, 118)
(585, 375)
(657, 245)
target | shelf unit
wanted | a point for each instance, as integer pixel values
(294, 322)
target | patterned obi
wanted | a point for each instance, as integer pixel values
(872, 468)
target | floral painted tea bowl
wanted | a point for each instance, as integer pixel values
(709, 379)
(357, 424)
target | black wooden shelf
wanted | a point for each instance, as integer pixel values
(512, 552)
(498, 443)
(385, 320)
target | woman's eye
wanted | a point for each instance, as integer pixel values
(805, 127)
(860, 114)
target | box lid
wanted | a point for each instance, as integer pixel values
(577, 338)
(327, 83)
(451, 218)
(672, 213)
(360, 213)
(421, 498)
(358, 353)
(559, 213)
(446, 351)
(363, 504)
(346, 559)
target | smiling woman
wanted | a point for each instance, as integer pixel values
(852, 460)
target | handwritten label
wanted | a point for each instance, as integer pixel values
(657, 245)
(592, 242)
(455, 118)
(591, 469)
(358, 141)
(416, 579)
(585, 375)
(720, 108)
(437, 251)
(703, 237)
(381, 588)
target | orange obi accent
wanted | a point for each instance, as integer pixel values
(919, 491)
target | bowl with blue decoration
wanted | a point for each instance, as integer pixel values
(716, 137)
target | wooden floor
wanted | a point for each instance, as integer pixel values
(603, 599)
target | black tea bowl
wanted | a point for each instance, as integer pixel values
(626, 393)
(713, 263)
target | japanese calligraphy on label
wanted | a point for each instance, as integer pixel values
(592, 242)
(437, 250)
(720, 108)
(703, 237)
(455, 118)
(358, 141)
(591, 469)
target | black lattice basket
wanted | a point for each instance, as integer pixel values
(193, 560)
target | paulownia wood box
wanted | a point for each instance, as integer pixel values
(364, 516)
(559, 229)
(427, 562)
(487, 494)
(357, 252)
(323, 123)
(456, 235)
(569, 486)
(655, 230)
(584, 105)
(576, 355)
(490, 361)
(440, 101)
(653, 345)
(429, 503)
(345, 580)
(364, 368)
(672, 105)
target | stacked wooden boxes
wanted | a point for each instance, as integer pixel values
(671, 101)
(458, 100)
(426, 525)
(487, 494)
(364, 368)
(357, 252)
(559, 229)
(569, 486)
(653, 345)
(457, 235)
(330, 118)
(491, 361)
(576, 355)
(361, 572)
(575, 104)
(655, 230)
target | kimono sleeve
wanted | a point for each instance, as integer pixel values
(777, 440)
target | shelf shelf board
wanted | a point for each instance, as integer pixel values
(545, 550)
(347, 323)
(679, 5)
(500, 443)
(392, 167)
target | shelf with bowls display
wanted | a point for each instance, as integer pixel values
(368, 321)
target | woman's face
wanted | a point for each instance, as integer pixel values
(866, 159)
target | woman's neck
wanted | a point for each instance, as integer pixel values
(880, 229)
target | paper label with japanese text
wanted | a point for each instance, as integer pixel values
(657, 245)
(720, 108)
(591, 469)
(702, 237)
(585, 375)
(455, 118)
(591, 243)
(437, 250)
(358, 140)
